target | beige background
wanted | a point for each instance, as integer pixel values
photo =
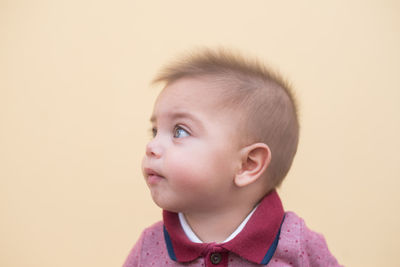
(75, 101)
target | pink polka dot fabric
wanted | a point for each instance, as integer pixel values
(298, 246)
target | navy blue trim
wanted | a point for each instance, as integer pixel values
(170, 249)
(273, 247)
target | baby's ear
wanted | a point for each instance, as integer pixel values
(255, 159)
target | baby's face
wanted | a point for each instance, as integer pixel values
(190, 163)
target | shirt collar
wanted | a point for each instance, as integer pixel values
(194, 238)
(256, 242)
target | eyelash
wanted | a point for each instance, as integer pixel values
(153, 130)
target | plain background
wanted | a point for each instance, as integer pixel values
(75, 102)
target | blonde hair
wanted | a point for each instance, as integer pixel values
(267, 101)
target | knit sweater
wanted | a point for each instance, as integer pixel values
(270, 238)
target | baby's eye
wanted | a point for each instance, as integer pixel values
(179, 132)
(154, 131)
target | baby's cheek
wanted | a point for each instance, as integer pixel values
(179, 160)
(175, 165)
(185, 171)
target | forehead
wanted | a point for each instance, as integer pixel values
(191, 95)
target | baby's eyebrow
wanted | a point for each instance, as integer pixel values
(178, 115)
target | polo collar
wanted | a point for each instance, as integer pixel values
(257, 241)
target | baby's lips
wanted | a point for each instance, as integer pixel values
(152, 177)
(151, 172)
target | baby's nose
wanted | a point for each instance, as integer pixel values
(153, 149)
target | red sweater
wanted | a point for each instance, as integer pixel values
(270, 238)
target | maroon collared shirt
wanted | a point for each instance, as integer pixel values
(271, 237)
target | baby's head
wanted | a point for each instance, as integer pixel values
(224, 128)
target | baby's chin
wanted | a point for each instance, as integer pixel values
(162, 204)
(166, 206)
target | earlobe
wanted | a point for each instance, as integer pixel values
(254, 161)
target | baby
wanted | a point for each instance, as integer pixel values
(225, 132)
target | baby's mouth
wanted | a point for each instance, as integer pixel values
(152, 176)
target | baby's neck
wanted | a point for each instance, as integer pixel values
(216, 226)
